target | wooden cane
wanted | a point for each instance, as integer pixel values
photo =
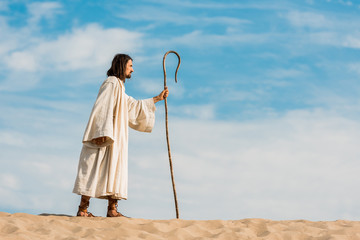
(167, 129)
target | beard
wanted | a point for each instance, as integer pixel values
(128, 76)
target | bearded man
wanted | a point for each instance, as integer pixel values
(103, 165)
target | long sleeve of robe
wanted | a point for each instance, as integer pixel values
(103, 169)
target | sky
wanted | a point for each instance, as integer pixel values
(263, 122)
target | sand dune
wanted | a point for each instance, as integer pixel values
(27, 226)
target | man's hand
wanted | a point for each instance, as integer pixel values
(98, 141)
(164, 94)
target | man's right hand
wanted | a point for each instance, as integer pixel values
(164, 94)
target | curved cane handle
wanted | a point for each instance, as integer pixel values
(164, 68)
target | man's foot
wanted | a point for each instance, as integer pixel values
(84, 204)
(112, 209)
(114, 213)
(84, 213)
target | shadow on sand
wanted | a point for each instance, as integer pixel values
(53, 214)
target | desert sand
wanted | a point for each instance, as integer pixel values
(27, 226)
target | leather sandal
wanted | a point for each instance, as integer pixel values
(86, 213)
(82, 212)
(113, 206)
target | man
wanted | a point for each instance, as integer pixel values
(103, 169)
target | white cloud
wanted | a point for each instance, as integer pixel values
(46, 10)
(355, 67)
(285, 73)
(199, 39)
(86, 48)
(10, 138)
(216, 5)
(334, 38)
(204, 112)
(39, 168)
(19, 80)
(83, 48)
(90, 47)
(4, 6)
(149, 86)
(352, 41)
(347, 3)
(161, 16)
(325, 29)
(11, 38)
(152, 87)
(231, 93)
(331, 38)
(345, 103)
(13, 199)
(22, 61)
(308, 19)
(9, 181)
(27, 54)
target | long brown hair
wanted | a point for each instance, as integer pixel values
(118, 66)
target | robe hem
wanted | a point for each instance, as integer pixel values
(102, 196)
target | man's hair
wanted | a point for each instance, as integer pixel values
(118, 66)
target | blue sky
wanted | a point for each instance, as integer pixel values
(264, 119)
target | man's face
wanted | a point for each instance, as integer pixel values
(129, 69)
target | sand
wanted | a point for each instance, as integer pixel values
(27, 226)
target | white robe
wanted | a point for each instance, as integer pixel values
(103, 169)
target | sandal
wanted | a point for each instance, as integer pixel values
(84, 204)
(85, 213)
(113, 206)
